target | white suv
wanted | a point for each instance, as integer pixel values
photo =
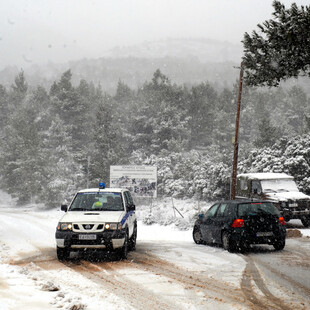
(98, 218)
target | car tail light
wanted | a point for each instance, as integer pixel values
(238, 223)
(281, 221)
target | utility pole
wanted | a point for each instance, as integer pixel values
(236, 143)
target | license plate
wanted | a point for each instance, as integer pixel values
(293, 205)
(264, 234)
(87, 237)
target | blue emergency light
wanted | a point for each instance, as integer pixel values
(101, 185)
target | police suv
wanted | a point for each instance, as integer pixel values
(98, 218)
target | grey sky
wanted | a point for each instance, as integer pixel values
(39, 31)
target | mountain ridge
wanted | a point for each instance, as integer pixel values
(184, 61)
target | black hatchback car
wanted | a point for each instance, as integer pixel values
(236, 224)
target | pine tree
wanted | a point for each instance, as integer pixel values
(20, 156)
(299, 106)
(201, 110)
(19, 90)
(106, 148)
(159, 121)
(268, 134)
(224, 120)
(282, 50)
(63, 175)
(74, 108)
(4, 108)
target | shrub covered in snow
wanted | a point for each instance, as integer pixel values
(191, 174)
(289, 156)
(170, 211)
(206, 175)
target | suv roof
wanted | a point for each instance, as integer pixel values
(265, 176)
(98, 190)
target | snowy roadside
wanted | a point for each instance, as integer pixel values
(27, 244)
(32, 278)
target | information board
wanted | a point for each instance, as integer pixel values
(140, 180)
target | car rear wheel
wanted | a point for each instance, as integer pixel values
(197, 235)
(63, 253)
(306, 221)
(227, 243)
(244, 247)
(279, 245)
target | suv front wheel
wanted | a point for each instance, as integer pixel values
(63, 253)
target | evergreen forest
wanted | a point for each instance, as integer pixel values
(58, 140)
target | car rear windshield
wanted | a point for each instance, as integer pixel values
(107, 201)
(246, 209)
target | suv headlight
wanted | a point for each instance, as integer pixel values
(113, 226)
(64, 226)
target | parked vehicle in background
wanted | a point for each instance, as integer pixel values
(98, 218)
(279, 188)
(236, 224)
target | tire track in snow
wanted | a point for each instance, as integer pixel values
(294, 295)
(181, 293)
(135, 295)
(103, 274)
(199, 290)
(268, 300)
(221, 292)
(295, 286)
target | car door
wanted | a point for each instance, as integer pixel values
(218, 223)
(131, 214)
(206, 225)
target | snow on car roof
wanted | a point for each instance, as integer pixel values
(265, 176)
(97, 189)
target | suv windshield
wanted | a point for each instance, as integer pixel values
(245, 209)
(107, 201)
(279, 185)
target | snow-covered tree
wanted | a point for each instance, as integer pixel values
(268, 134)
(282, 48)
(63, 174)
(106, 148)
(19, 90)
(299, 106)
(290, 156)
(76, 107)
(4, 107)
(20, 156)
(202, 104)
(159, 122)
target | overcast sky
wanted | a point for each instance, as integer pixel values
(39, 31)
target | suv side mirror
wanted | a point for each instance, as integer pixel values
(131, 207)
(64, 208)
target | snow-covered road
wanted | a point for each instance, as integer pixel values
(167, 271)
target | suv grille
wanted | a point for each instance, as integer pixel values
(88, 227)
